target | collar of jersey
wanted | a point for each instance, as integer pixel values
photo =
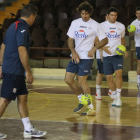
(22, 20)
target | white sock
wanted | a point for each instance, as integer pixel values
(110, 91)
(114, 93)
(118, 93)
(79, 97)
(98, 89)
(27, 124)
(91, 106)
(138, 78)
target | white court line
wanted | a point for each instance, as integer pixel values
(39, 88)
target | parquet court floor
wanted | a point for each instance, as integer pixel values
(51, 104)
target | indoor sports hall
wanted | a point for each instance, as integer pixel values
(51, 101)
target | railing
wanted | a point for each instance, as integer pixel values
(131, 58)
(49, 57)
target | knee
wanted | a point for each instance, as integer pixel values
(82, 83)
(109, 78)
(118, 75)
(68, 81)
(5, 101)
(23, 98)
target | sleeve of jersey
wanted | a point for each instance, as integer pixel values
(71, 31)
(100, 32)
(123, 31)
(21, 37)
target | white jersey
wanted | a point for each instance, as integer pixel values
(137, 32)
(84, 34)
(114, 31)
(98, 54)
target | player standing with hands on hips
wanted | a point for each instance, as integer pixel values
(14, 62)
(83, 31)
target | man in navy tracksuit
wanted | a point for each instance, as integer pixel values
(14, 63)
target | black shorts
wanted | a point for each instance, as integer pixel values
(12, 86)
(138, 52)
(100, 66)
(112, 63)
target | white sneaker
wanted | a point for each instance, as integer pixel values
(34, 133)
(111, 95)
(114, 102)
(98, 97)
(118, 102)
(3, 136)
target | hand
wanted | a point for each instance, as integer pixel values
(92, 52)
(75, 58)
(126, 54)
(106, 49)
(0, 71)
(29, 78)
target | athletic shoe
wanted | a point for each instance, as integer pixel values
(138, 85)
(34, 133)
(111, 95)
(114, 102)
(89, 112)
(98, 97)
(78, 108)
(3, 136)
(118, 102)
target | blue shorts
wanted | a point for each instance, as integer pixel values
(82, 68)
(112, 63)
(12, 86)
(138, 52)
(100, 66)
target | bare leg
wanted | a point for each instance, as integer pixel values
(99, 79)
(3, 104)
(69, 79)
(138, 68)
(83, 84)
(111, 82)
(119, 80)
(22, 106)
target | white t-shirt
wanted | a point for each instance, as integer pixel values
(114, 32)
(137, 32)
(98, 54)
(84, 34)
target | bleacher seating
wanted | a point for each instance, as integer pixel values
(54, 18)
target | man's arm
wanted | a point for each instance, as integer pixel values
(75, 56)
(23, 55)
(99, 45)
(1, 58)
(123, 43)
(131, 34)
(2, 53)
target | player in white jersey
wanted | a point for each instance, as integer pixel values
(137, 43)
(100, 73)
(83, 31)
(115, 32)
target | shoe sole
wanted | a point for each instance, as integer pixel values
(34, 136)
(113, 105)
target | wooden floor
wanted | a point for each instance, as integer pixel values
(51, 104)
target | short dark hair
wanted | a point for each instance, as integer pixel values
(137, 9)
(111, 9)
(85, 6)
(28, 10)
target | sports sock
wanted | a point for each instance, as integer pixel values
(91, 106)
(114, 93)
(79, 97)
(118, 93)
(138, 78)
(27, 124)
(98, 89)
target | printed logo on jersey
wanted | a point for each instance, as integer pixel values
(112, 35)
(83, 27)
(80, 34)
(138, 31)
